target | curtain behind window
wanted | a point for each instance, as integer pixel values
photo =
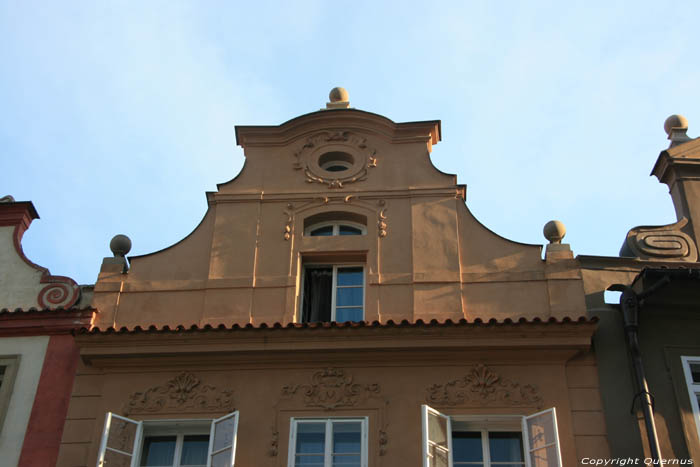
(318, 285)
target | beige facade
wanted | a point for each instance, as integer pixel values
(449, 315)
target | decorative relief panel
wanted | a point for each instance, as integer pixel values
(332, 389)
(660, 243)
(185, 392)
(357, 158)
(483, 387)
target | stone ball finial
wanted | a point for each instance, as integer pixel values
(120, 245)
(675, 121)
(339, 95)
(554, 231)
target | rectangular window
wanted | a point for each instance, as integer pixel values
(169, 443)
(691, 369)
(328, 442)
(490, 441)
(333, 293)
(8, 371)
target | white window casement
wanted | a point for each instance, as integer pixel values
(490, 441)
(168, 443)
(328, 442)
(332, 292)
(335, 228)
(691, 370)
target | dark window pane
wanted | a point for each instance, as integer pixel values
(346, 461)
(311, 438)
(346, 437)
(336, 168)
(158, 451)
(309, 461)
(322, 231)
(350, 276)
(318, 294)
(466, 446)
(695, 372)
(347, 230)
(506, 446)
(351, 296)
(194, 450)
(348, 314)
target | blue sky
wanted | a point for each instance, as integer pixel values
(116, 117)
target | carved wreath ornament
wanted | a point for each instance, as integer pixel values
(481, 386)
(306, 158)
(183, 392)
(330, 389)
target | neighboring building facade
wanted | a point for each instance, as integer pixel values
(338, 303)
(650, 343)
(38, 355)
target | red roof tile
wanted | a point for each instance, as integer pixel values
(477, 322)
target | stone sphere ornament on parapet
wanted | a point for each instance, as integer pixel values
(120, 245)
(554, 231)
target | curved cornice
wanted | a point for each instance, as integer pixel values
(349, 119)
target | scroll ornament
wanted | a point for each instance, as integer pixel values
(660, 243)
(185, 392)
(481, 386)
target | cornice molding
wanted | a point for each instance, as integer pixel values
(347, 119)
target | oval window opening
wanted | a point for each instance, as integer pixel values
(336, 161)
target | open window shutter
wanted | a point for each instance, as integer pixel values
(542, 439)
(222, 441)
(437, 438)
(120, 441)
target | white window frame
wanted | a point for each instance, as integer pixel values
(492, 423)
(177, 427)
(426, 413)
(328, 454)
(693, 389)
(334, 286)
(336, 227)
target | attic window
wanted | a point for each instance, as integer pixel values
(330, 229)
(336, 161)
(330, 224)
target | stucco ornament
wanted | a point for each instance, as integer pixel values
(360, 158)
(481, 386)
(330, 389)
(660, 243)
(181, 393)
(289, 214)
(381, 219)
(60, 292)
